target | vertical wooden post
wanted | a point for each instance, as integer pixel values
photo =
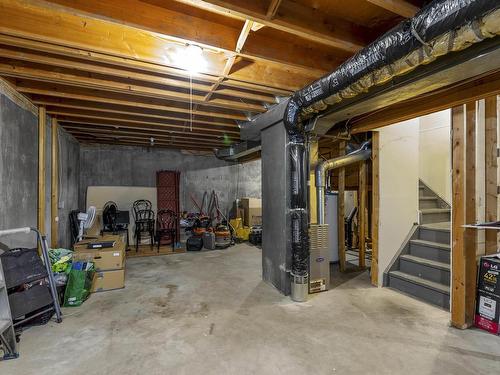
(54, 185)
(41, 168)
(463, 211)
(470, 242)
(375, 207)
(362, 195)
(341, 211)
(490, 153)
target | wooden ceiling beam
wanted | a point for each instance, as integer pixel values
(157, 139)
(96, 57)
(105, 128)
(92, 140)
(273, 9)
(157, 41)
(132, 131)
(101, 69)
(294, 18)
(40, 73)
(82, 114)
(113, 109)
(168, 128)
(92, 95)
(402, 8)
(435, 101)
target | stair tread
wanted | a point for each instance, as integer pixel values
(443, 226)
(420, 281)
(432, 244)
(435, 210)
(4, 324)
(429, 198)
(428, 262)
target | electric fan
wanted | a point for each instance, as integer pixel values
(86, 220)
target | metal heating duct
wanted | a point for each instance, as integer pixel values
(442, 27)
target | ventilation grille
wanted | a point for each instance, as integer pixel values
(318, 237)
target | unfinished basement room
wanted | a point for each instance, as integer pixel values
(249, 187)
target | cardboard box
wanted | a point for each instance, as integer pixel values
(103, 259)
(108, 280)
(488, 312)
(252, 211)
(489, 275)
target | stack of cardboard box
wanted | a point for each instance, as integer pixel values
(488, 294)
(252, 211)
(109, 262)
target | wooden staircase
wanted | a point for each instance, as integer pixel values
(422, 268)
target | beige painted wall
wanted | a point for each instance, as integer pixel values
(435, 152)
(399, 172)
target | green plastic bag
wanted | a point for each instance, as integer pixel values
(78, 287)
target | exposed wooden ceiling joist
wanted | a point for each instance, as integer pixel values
(138, 129)
(293, 18)
(92, 96)
(98, 116)
(186, 129)
(141, 66)
(120, 66)
(132, 131)
(400, 7)
(91, 80)
(433, 102)
(114, 109)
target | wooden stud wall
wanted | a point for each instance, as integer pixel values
(41, 168)
(375, 207)
(54, 185)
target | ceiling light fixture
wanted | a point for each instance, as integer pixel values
(191, 59)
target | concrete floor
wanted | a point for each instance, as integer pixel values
(210, 313)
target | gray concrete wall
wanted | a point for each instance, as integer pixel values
(69, 177)
(18, 170)
(137, 166)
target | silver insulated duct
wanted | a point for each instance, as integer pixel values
(364, 152)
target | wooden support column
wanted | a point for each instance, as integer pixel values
(470, 242)
(375, 207)
(490, 150)
(463, 211)
(341, 211)
(362, 195)
(41, 168)
(54, 185)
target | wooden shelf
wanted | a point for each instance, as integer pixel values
(471, 226)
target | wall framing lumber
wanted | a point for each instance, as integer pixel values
(42, 127)
(464, 241)
(54, 184)
(362, 197)
(375, 206)
(471, 235)
(491, 165)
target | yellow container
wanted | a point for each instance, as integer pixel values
(243, 233)
(236, 223)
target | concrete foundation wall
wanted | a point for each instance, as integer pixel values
(137, 166)
(19, 170)
(69, 179)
